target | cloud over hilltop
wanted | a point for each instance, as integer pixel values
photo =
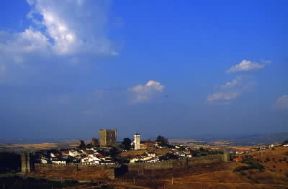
(145, 92)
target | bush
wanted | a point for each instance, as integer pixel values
(250, 164)
(241, 168)
(126, 143)
(162, 141)
(285, 142)
(9, 161)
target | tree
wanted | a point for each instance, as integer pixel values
(95, 142)
(82, 144)
(285, 142)
(126, 143)
(114, 152)
(162, 141)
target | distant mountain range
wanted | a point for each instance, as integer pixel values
(261, 139)
(35, 141)
(250, 139)
(255, 139)
(235, 139)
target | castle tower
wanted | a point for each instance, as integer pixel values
(107, 137)
(226, 156)
(25, 162)
(137, 141)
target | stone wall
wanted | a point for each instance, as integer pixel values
(175, 164)
(74, 171)
(89, 172)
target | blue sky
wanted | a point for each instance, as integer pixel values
(176, 68)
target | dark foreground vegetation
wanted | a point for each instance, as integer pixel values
(250, 164)
(16, 182)
(9, 162)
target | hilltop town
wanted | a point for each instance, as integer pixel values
(107, 151)
(131, 163)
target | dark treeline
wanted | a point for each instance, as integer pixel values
(9, 162)
(33, 183)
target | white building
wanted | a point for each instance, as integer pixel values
(74, 153)
(91, 159)
(137, 141)
(59, 162)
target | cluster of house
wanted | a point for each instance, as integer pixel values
(147, 157)
(258, 148)
(99, 153)
(239, 154)
(175, 152)
(88, 156)
(103, 156)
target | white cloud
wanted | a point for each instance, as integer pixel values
(237, 82)
(228, 91)
(234, 88)
(282, 102)
(59, 28)
(28, 41)
(73, 26)
(244, 66)
(143, 93)
(222, 96)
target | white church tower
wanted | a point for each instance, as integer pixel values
(137, 141)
